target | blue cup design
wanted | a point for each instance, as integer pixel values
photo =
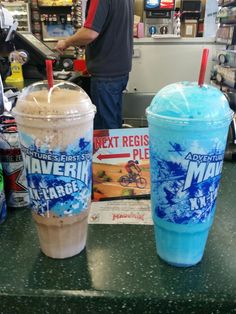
(188, 128)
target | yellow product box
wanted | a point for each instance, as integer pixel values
(16, 78)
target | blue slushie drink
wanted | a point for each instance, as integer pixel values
(188, 127)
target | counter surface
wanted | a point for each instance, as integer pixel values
(119, 272)
(172, 40)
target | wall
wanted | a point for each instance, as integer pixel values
(177, 3)
(157, 63)
(138, 7)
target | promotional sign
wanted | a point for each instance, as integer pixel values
(120, 163)
(210, 20)
(118, 212)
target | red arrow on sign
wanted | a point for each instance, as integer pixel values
(100, 156)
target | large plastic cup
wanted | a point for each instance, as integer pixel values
(188, 128)
(56, 130)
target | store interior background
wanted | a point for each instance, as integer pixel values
(157, 62)
(140, 3)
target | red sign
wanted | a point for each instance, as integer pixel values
(167, 4)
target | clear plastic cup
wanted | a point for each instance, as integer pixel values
(188, 127)
(56, 130)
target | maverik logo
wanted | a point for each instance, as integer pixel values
(202, 167)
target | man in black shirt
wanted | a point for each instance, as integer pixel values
(108, 36)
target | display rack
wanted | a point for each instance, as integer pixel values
(224, 71)
(227, 3)
(225, 67)
(21, 12)
(53, 20)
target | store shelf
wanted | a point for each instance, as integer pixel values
(13, 4)
(230, 93)
(229, 3)
(228, 21)
(54, 3)
(54, 6)
(224, 41)
(226, 34)
(21, 12)
(224, 88)
(224, 72)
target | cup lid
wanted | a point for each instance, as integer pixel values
(186, 101)
(64, 99)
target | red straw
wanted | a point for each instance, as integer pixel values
(203, 67)
(49, 70)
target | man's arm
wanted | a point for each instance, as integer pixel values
(82, 37)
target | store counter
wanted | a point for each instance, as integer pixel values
(158, 62)
(119, 272)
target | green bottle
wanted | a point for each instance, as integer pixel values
(3, 208)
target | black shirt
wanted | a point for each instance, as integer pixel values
(110, 54)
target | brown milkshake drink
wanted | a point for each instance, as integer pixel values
(56, 129)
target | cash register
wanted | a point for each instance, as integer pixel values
(37, 52)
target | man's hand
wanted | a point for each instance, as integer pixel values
(82, 37)
(61, 46)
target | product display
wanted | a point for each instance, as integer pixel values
(224, 71)
(12, 163)
(56, 128)
(21, 12)
(78, 17)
